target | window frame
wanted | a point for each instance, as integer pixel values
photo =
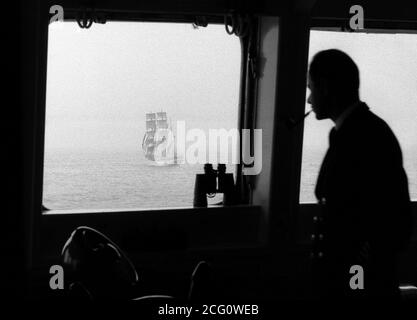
(41, 222)
(241, 116)
(140, 17)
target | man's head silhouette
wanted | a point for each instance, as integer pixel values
(333, 79)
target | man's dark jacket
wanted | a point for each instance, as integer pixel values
(366, 215)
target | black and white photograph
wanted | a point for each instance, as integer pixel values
(214, 158)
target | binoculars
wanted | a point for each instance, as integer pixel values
(211, 182)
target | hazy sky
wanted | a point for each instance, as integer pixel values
(102, 81)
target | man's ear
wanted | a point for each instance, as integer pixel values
(324, 87)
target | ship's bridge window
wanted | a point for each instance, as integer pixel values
(132, 112)
(387, 63)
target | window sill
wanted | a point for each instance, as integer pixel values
(179, 229)
(212, 208)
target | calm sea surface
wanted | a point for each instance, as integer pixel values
(113, 180)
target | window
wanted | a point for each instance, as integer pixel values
(387, 64)
(114, 92)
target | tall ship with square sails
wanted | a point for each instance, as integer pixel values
(158, 143)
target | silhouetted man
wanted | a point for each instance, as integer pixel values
(362, 187)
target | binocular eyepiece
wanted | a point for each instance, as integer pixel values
(214, 181)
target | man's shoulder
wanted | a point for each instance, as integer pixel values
(367, 133)
(369, 125)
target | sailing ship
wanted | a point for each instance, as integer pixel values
(158, 144)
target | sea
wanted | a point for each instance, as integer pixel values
(126, 180)
(114, 180)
